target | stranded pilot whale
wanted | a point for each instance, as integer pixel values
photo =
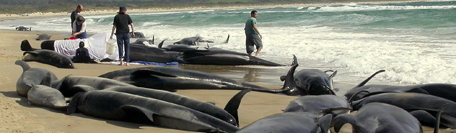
(135, 108)
(48, 57)
(307, 81)
(229, 114)
(172, 78)
(32, 76)
(379, 118)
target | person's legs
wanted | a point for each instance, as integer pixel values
(127, 48)
(120, 47)
(258, 43)
(249, 45)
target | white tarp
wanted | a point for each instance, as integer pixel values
(96, 44)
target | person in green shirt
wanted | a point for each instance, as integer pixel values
(253, 36)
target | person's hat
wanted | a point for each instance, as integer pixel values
(122, 9)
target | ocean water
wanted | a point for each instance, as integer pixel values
(414, 42)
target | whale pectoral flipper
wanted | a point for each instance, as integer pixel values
(233, 105)
(134, 110)
(333, 74)
(325, 122)
(341, 120)
(73, 105)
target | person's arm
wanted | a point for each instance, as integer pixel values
(87, 52)
(113, 27)
(83, 28)
(78, 53)
(112, 31)
(73, 27)
(130, 22)
(132, 29)
(257, 31)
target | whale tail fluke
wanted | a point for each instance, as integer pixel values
(25, 46)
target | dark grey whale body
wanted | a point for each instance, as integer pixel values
(229, 114)
(429, 105)
(290, 122)
(171, 78)
(307, 81)
(379, 118)
(447, 91)
(216, 56)
(134, 108)
(319, 105)
(48, 57)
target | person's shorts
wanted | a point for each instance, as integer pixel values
(251, 41)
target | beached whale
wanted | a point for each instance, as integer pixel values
(229, 114)
(307, 81)
(290, 122)
(320, 105)
(379, 118)
(134, 108)
(66, 84)
(172, 79)
(32, 76)
(41, 95)
(48, 57)
(217, 56)
(447, 91)
(429, 106)
(196, 40)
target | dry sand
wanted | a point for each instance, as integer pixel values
(17, 116)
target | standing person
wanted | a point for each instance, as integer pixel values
(253, 36)
(75, 13)
(120, 25)
(79, 28)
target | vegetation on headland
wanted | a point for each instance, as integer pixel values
(30, 6)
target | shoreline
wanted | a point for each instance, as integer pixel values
(89, 12)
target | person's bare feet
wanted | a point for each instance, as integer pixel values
(127, 64)
(256, 53)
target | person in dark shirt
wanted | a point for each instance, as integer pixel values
(120, 25)
(75, 13)
(82, 54)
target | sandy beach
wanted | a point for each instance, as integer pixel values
(17, 116)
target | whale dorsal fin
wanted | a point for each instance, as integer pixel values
(325, 122)
(342, 119)
(233, 105)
